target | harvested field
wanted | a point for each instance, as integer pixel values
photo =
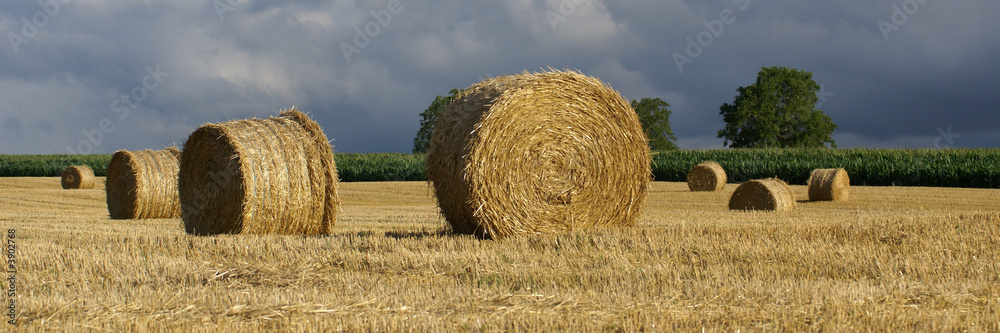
(889, 259)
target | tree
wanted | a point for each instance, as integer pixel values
(655, 119)
(779, 110)
(429, 118)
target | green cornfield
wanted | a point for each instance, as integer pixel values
(49, 165)
(873, 167)
(350, 167)
(381, 167)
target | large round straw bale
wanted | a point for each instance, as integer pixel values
(534, 153)
(142, 184)
(763, 194)
(829, 185)
(706, 176)
(259, 176)
(78, 177)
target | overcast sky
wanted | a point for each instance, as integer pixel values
(95, 76)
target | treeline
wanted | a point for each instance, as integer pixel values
(873, 167)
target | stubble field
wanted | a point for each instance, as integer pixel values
(890, 259)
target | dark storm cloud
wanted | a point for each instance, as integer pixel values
(230, 59)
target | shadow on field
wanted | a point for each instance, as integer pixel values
(419, 234)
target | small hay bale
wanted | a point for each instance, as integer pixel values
(538, 153)
(829, 185)
(763, 194)
(142, 184)
(78, 177)
(259, 176)
(706, 176)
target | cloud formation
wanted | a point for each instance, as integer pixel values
(78, 75)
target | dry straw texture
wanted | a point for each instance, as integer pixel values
(829, 185)
(763, 194)
(259, 176)
(142, 184)
(538, 153)
(706, 176)
(78, 177)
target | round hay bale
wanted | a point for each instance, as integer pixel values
(259, 176)
(142, 184)
(763, 194)
(829, 185)
(78, 177)
(538, 153)
(706, 176)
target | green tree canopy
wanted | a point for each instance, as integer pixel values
(428, 118)
(779, 110)
(655, 118)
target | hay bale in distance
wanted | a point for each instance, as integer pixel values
(763, 194)
(706, 176)
(259, 176)
(78, 177)
(142, 184)
(538, 153)
(829, 185)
